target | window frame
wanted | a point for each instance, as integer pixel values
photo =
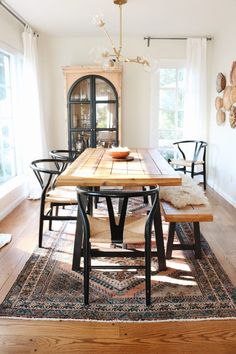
(15, 60)
(155, 99)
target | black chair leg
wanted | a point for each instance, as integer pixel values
(96, 199)
(170, 240)
(192, 171)
(86, 270)
(50, 221)
(148, 268)
(204, 176)
(41, 225)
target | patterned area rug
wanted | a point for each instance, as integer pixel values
(189, 289)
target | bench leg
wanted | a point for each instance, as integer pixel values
(170, 240)
(197, 247)
(197, 241)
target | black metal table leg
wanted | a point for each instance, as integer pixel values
(79, 236)
(77, 245)
(159, 239)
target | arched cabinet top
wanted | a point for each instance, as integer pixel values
(74, 73)
(81, 89)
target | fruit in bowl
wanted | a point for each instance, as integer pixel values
(119, 152)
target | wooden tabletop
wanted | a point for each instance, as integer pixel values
(95, 167)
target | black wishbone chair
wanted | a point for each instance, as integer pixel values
(193, 155)
(69, 155)
(115, 230)
(52, 197)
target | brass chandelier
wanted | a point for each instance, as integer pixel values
(115, 58)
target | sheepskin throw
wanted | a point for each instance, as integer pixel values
(4, 239)
(188, 193)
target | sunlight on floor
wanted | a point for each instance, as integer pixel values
(186, 281)
(178, 265)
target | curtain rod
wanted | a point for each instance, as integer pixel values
(13, 13)
(148, 39)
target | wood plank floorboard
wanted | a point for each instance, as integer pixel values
(43, 336)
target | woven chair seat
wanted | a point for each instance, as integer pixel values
(133, 231)
(187, 163)
(62, 195)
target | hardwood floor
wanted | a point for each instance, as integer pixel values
(30, 336)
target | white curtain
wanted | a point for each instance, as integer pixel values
(195, 115)
(33, 131)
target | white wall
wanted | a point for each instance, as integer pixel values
(12, 192)
(59, 52)
(10, 31)
(222, 139)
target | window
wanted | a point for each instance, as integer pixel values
(171, 108)
(7, 144)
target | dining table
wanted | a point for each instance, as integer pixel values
(95, 167)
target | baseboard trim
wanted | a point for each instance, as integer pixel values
(12, 193)
(11, 207)
(224, 195)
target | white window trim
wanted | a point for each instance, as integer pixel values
(13, 191)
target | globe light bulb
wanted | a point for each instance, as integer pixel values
(151, 66)
(98, 20)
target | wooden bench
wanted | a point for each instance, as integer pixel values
(191, 213)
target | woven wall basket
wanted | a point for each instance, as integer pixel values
(220, 117)
(220, 82)
(218, 102)
(226, 98)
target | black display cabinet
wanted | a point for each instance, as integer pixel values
(93, 108)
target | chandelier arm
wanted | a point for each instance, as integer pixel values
(137, 60)
(108, 36)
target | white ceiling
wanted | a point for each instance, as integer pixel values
(140, 17)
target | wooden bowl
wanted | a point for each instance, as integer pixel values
(226, 98)
(220, 82)
(119, 153)
(218, 102)
(220, 117)
(232, 117)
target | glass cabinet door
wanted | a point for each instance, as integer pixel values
(93, 113)
(104, 92)
(81, 91)
(80, 115)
